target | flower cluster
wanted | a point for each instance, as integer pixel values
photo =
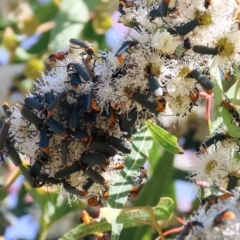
(75, 126)
(217, 218)
(216, 162)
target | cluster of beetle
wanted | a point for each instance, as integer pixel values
(53, 115)
(163, 11)
(104, 146)
(155, 103)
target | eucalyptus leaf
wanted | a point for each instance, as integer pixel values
(39, 195)
(155, 154)
(70, 20)
(98, 40)
(234, 91)
(164, 209)
(44, 12)
(42, 199)
(62, 208)
(86, 229)
(52, 206)
(116, 230)
(12, 177)
(216, 124)
(129, 217)
(21, 55)
(92, 4)
(164, 138)
(3, 192)
(235, 87)
(128, 233)
(111, 214)
(41, 45)
(160, 184)
(224, 112)
(122, 184)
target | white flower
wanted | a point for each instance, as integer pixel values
(107, 59)
(164, 42)
(214, 20)
(143, 38)
(209, 166)
(228, 51)
(105, 89)
(121, 97)
(178, 99)
(25, 135)
(141, 16)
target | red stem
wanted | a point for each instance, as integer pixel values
(173, 230)
(180, 220)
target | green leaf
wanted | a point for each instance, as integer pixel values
(21, 55)
(129, 217)
(92, 4)
(164, 138)
(41, 45)
(180, 175)
(224, 112)
(85, 229)
(111, 214)
(121, 186)
(160, 184)
(88, 32)
(147, 233)
(70, 21)
(3, 192)
(216, 78)
(12, 177)
(52, 206)
(116, 230)
(62, 208)
(44, 12)
(233, 92)
(164, 210)
(155, 154)
(38, 194)
(216, 124)
(237, 85)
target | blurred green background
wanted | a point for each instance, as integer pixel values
(30, 30)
